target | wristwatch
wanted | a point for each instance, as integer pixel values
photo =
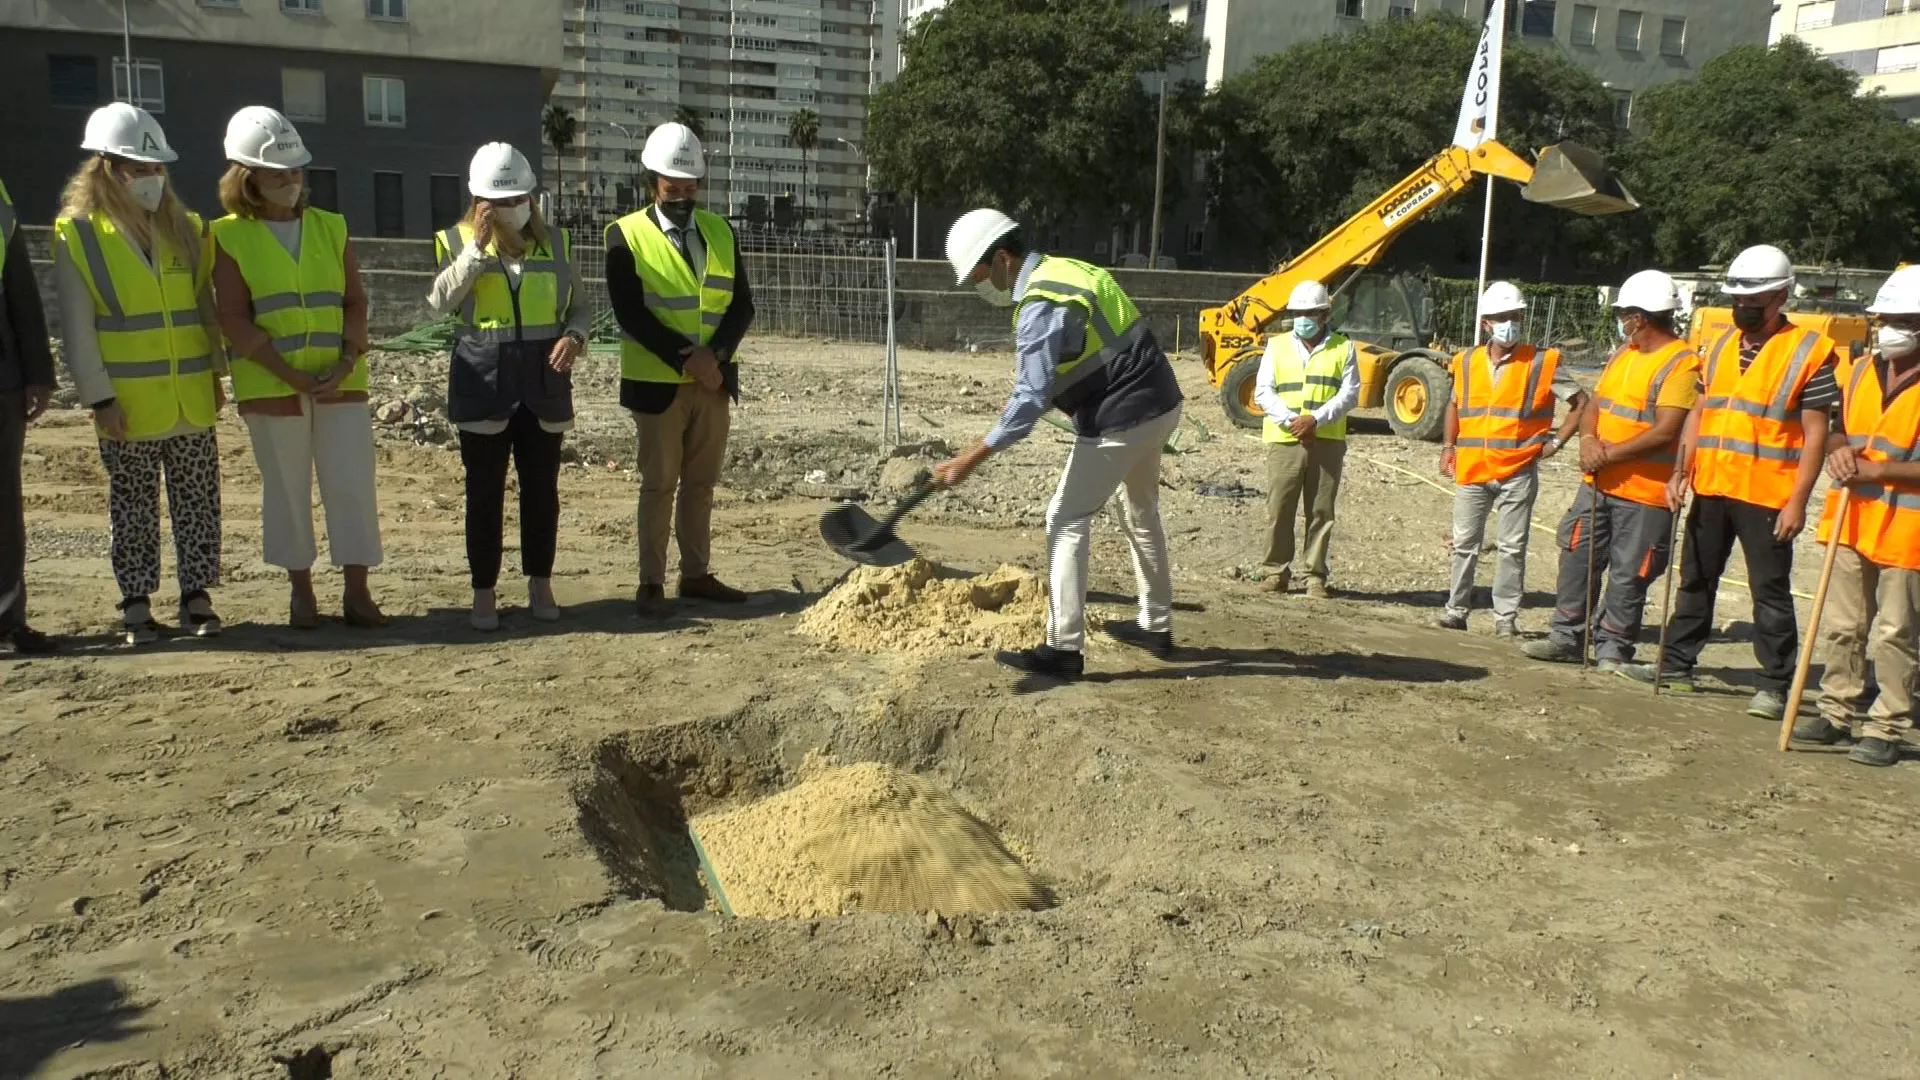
(579, 338)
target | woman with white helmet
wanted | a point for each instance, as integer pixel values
(509, 277)
(132, 267)
(293, 308)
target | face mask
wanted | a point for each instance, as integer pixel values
(147, 190)
(514, 218)
(285, 195)
(1750, 319)
(1506, 333)
(993, 294)
(1306, 326)
(1894, 342)
(1621, 326)
(678, 211)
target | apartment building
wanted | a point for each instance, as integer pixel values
(737, 70)
(392, 96)
(1878, 39)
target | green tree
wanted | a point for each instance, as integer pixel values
(691, 121)
(1775, 145)
(558, 125)
(1310, 135)
(803, 130)
(1033, 106)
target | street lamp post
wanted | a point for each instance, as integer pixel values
(631, 143)
(866, 184)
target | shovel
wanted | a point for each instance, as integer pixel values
(852, 532)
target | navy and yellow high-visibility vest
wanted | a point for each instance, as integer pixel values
(691, 308)
(1119, 377)
(1305, 386)
(146, 316)
(507, 331)
(301, 304)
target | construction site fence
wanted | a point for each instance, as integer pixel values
(1575, 318)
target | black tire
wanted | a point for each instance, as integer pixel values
(1236, 393)
(1435, 386)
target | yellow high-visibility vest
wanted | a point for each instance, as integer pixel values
(1305, 387)
(544, 296)
(688, 307)
(302, 305)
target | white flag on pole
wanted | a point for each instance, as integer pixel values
(1480, 102)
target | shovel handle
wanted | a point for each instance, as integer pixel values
(923, 486)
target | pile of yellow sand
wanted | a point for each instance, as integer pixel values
(864, 837)
(912, 609)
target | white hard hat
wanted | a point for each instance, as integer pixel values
(1899, 295)
(674, 150)
(263, 138)
(1761, 269)
(127, 131)
(1500, 298)
(1309, 296)
(1649, 291)
(500, 172)
(971, 236)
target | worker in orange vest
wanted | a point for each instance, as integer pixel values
(1873, 600)
(1629, 432)
(1499, 426)
(1751, 453)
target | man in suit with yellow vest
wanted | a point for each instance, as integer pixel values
(679, 291)
(26, 386)
(1499, 425)
(1629, 430)
(1308, 381)
(1752, 452)
(1873, 601)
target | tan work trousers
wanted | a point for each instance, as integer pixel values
(1870, 616)
(1306, 472)
(681, 452)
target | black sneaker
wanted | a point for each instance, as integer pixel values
(1044, 660)
(650, 602)
(1672, 680)
(1872, 751)
(1819, 729)
(1128, 632)
(27, 641)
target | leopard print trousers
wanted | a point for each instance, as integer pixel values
(191, 464)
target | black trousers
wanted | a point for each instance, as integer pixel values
(1713, 525)
(13, 520)
(535, 454)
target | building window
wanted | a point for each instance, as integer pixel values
(389, 205)
(1196, 239)
(386, 101)
(1586, 19)
(387, 10)
(73, 81)
(303, 94)
(323, 189)
(1347, 9)
(1901, 7)
(1536, 19)
(300, 7)
(446, 199)
(1627, 35)
(1622, 109)
(1400, 9)
(1197, 12)
(1814, 16)
(1897, 58)
(220, 3)
(1673, 37)
(147, 89)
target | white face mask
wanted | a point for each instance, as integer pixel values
(147, 191)
(284, 195)
(514, 218)
(1895, 343)
(993, 294)
(1506, 333)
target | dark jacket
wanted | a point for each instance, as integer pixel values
(628, 299)
(26, 358)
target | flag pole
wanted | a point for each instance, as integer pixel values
(1486, 244)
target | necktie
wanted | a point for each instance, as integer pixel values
(679, 238)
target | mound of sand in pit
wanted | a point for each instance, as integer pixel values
(863, 837)
(912, 609)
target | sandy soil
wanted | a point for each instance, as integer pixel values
(1327, 841)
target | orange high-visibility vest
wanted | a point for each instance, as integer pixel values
(1883, 519)
(1750, 434)
(1506, 420)
(1628, 401)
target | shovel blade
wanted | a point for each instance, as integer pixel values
(1572, 177)
(854, 534)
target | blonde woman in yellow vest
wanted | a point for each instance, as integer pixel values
(132, 268)
(1309, 381)
(509, 278)
(293, 309)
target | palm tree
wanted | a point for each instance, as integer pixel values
(557, 124)
(691, 120)
(803, 130)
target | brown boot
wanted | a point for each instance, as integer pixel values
(1317, 589)
(650, 601)
(708, 587)
(1277, 583)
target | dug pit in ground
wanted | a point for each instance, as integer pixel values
(922, 609)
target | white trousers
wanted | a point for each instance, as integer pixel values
(335, 443)
(1128, 460)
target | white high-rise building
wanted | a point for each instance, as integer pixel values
(1877, 39)
(737, 70)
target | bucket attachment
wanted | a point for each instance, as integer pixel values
(1571, 177)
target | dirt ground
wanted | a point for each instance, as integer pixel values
(1326, 841)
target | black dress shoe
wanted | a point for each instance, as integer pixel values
(708, 587)
(27, 641)
(1045, 660)
(650, 601)
(1128, 632)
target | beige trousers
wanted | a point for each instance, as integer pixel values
(1302, 473)
(1870, 616)
(681, 453)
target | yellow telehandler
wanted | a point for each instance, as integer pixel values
(1412, 383)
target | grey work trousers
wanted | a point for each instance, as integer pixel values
(1632, 541)
(13, 518)
(1512, 500)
